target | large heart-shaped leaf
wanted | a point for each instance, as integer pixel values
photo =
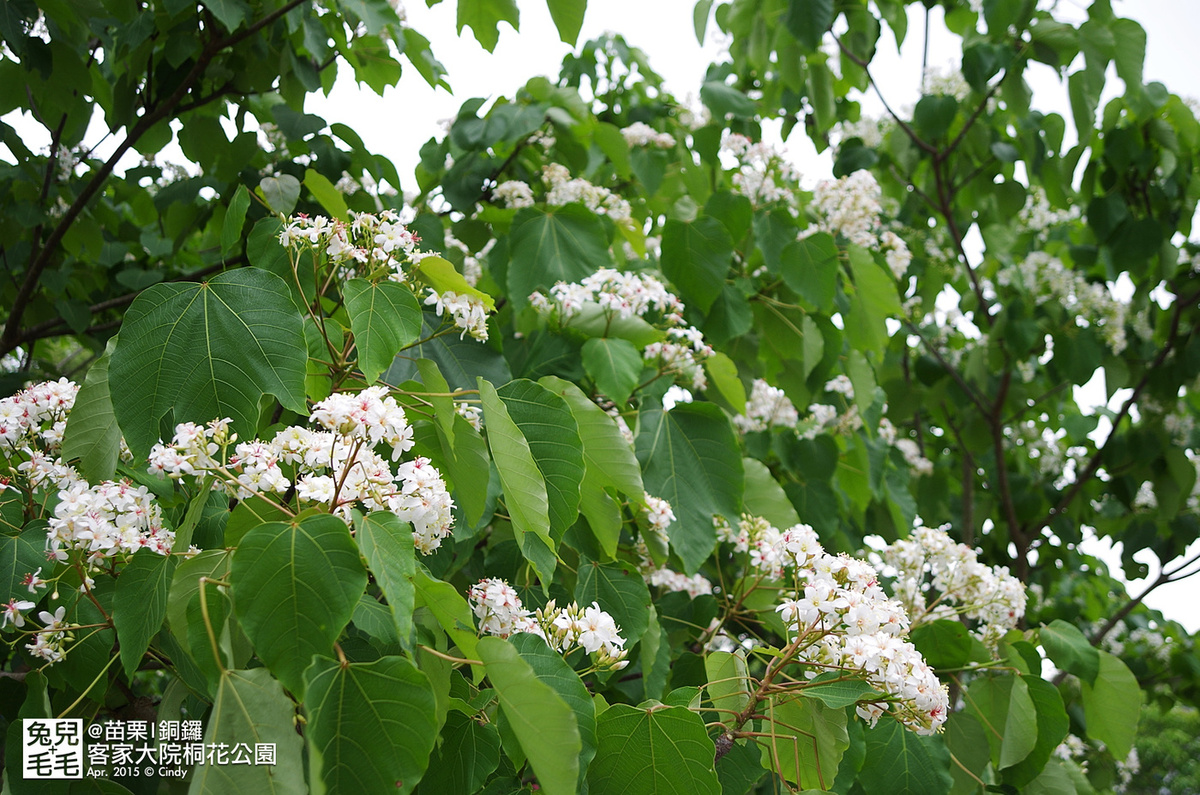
(371, 726)
(559, 244)
(384, 317)
(206, 351)
(295, 585)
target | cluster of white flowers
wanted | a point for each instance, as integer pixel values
(564, 190)
(1073, 749)
(1042, 446)
(627, 434)
(1037, 215)
(768, 407)
(37, 416)
(1139, 641)
(1047, 280)
(627, 294)
(946, 82)
(763, 173)
(470, 413)
(472, 268)
(918, 464)
(824, 418)
(368, 244)
(895, 253)
(869, 129)
(849, 206)
(844, 620)
(336, 466)
(842, 385)
(936, 577)
(659, 514)
(623, 294)
(468, 312)
(50, 643)
(106, 520)
(642, 134)
(501, 613)
(514, 193)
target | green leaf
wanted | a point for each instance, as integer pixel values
(21, 555)
(967, 741)
(728, 681)
(280, 193)
(652, 751)
(811, 739)
(813, 344)
(241, 337)
(1111, 705)
(525, 489)
(700, 19)
(249, 514)
(468, 755)
(875, 300)
(808, 20)
(295, 585)
(545, 726)
(185, 589)
(810, 267)
(899, 762)
(326, 194)
(92, 435)
(549, 428)
(1002, 704)
(1130, 55)
(724, 375)
(484, 18)
(765, 498)
(568, 18)
(696, 258)
(449, 608)
(724, 100)
(140, 603)
(371, 726)
(837, 693)
(549, 667)
(615, 148)
(1052, 727)
(252, 708)
(375, 14)
(442, 276)
(607, 456)
(944, 643)
(934, 115)
(385, 318)
(387, 544)
(556, 244)
(620, 591)
(614, 364)
(1067, 648)
(231, 13)
(235, 219)
(689, 457)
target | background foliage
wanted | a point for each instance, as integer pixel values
(1002, 255)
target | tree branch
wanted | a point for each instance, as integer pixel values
(9, 337)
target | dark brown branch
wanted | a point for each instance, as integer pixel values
(1093, 463)
(1015, 533)
(908, 130)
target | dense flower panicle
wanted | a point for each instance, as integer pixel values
(870, 130)
(849, 207)
(853, 624)
(37, 415)
(625, 294)
(336, 467)
(1038, 215)
(658, 513)
(763, 173)
(768, 407)
(514, 193)
(501, 613)
(564, 190)
(642, 134)
(937, 577)
(106, 520)
(1047, 279)
(467, 311)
